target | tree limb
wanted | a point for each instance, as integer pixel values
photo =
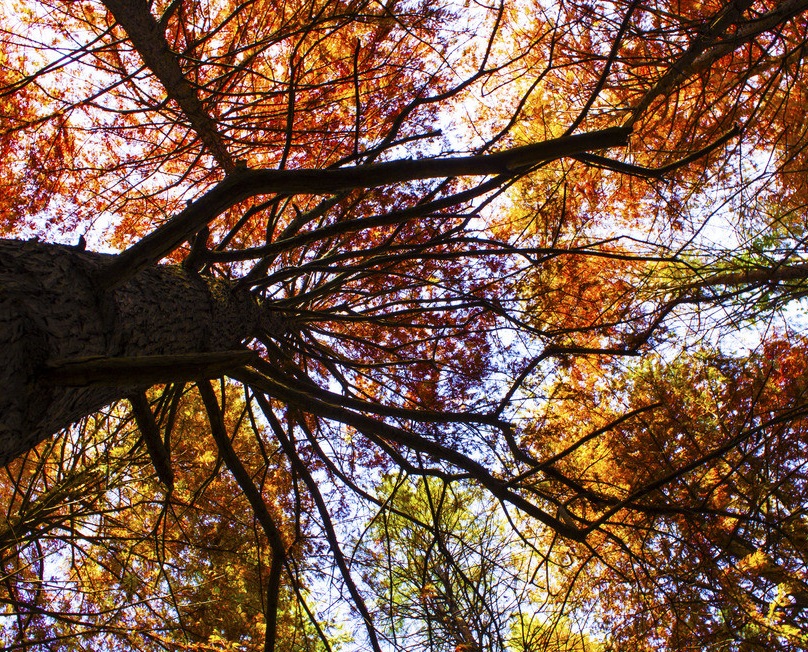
(148, 38)
(249, 183)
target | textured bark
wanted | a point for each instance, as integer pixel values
(52, 310)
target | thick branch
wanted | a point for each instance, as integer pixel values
(249, 183)
(712, 44)
(150, 42)
(685, 65)
(378, 428)
(662, 171)
(144, 370)
(796, 272)
(769, 570)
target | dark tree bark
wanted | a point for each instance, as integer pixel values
(62, 335)
(82, 329)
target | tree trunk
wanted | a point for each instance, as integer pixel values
(52, 311)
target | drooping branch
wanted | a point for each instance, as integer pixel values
(256, 500)
(271, 374)
(662, 171)
(146, 423)
(378, 429)
(301, 468)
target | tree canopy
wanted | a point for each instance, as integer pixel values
(404, 325)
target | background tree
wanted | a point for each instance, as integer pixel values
(437, 560)
(450, 573)
(551, 254)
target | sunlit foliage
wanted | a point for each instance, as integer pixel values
(526, 365)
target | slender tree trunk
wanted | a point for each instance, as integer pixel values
(53, 313)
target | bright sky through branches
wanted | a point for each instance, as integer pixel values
(419, 326)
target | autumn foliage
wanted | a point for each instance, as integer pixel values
(524, 354)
